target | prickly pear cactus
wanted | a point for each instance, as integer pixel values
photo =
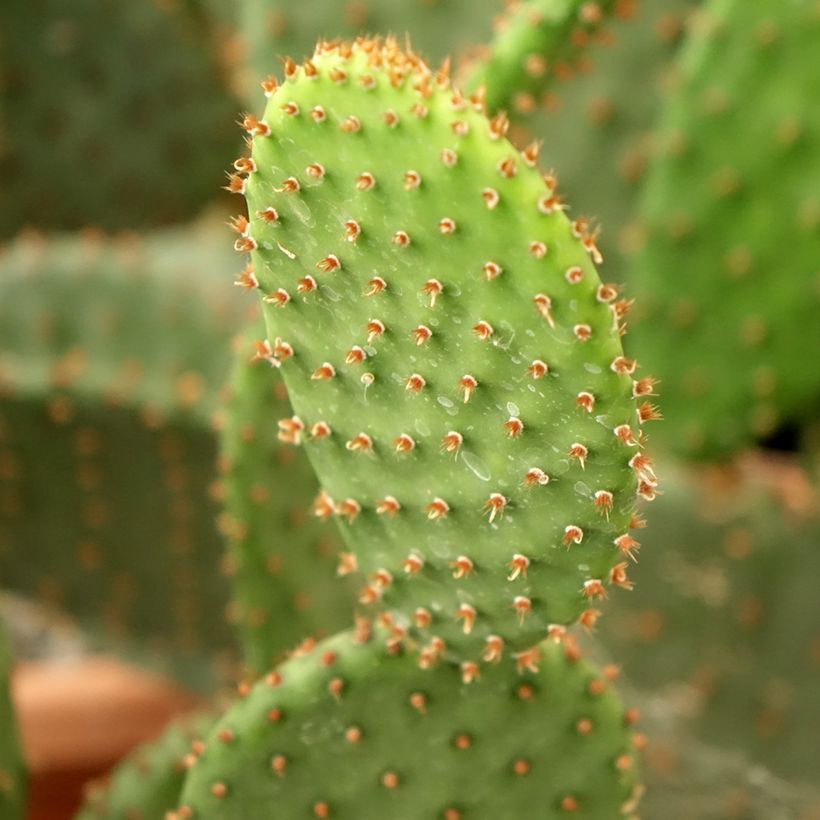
(114, 354)
(351, 730)
(721, 623)
(127, 148)
(149, 781)
(728, 275)
(12, 776)
(267, 490)
(453, 360)
(537, 42)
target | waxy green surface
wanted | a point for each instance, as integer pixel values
(539, 257)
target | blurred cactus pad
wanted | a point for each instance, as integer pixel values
(12, 779)
(115, 114)
(728, 279)
(722, 623)
(114, 354)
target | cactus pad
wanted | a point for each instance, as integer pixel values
(347, 730)
(113, 357)
(728, 277)
(453, 360)
(12, 777)
(125, 148)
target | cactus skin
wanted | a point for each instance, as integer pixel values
(12, 769)
(495, 456)
(536, 43)
(723, 609)
(728, 275)
(128, 149)
(74, 532)
(370, 735)
(267, 490)
(147, 784)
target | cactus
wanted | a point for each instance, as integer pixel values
(267, 490)
(391, 740)
(12, 775)
(719, 620)
(466, 403)
(114, 353)
(536, 43)
(279, 747)
(149, 781)
(727, 276)
(127, 149)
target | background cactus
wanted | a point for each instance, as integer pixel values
(267, 491)
(536, 43)
(718, 625)
(12, 778)
(115, 114)
(598, 131)
(114, 353)
(728, 276)
(440, 29)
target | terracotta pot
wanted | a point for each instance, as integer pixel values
(79, 717)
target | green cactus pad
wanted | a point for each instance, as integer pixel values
(86, 138)
(452, 358)
(724, 618)
(729, 277)
(537, 42)
(267, 490)
(148, 783)
(351, 731)
(12, 770)
(113, 358)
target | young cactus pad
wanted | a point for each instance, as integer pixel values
(453, 360)
(148, 783)
(729, 272)
(349, 730)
